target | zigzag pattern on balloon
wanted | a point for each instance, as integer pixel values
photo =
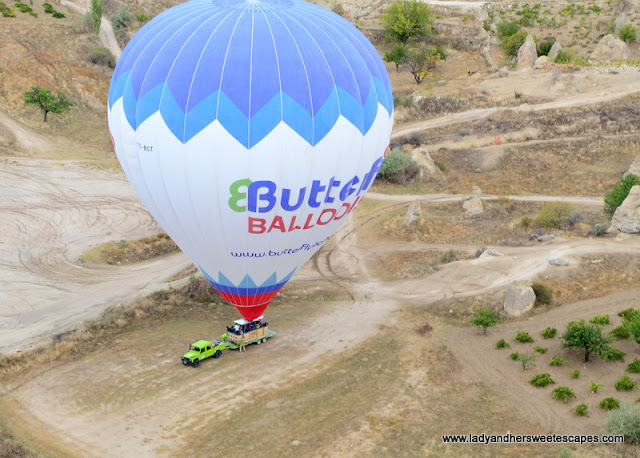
(250, 130)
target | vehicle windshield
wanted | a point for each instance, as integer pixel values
(195, 349)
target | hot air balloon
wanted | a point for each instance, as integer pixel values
(250, 130)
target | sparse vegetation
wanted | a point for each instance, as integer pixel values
(600, 229)
(544, 295)
(515, 356)
(613, 354)
(127, 252)
(554, 215)
(634, 367)
(625, 421)
(625, 383)
(620, 333)
(485, 318)
(600, 319)
(526, 222)
(556, 361)
(143, 17)
(609, 404)
(523, 337)
(575, 373)
(581, 410)
(541, 380)
(541, 350)
(549, 333)
(527, 360)
(594, 387)
(628, 33)
(101, 56)
(502, 344)
(563, 393)
(619, 193)
(544, 46)
(122, 19)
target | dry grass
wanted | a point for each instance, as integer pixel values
(12, 448)
(129, 252)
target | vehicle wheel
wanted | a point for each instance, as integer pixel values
(196, 362)
(217, 354)
(264, 340)
(258, 342)
(185, 362)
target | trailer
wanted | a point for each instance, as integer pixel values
(244, 333)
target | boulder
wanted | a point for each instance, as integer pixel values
(634, 169)
(610, 49)
(473, 206)
(627, 216)
(520, 299)
(414, 213)
(553, 52)
(527, 54)
(558, 262)
(541, 62)
(491, 251)
(629, 6)
(424, 160)
(477, 191)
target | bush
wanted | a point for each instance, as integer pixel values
(517, 95)
(58, 15)
(549, 333)
(609, 404)
(634, 367)
(515, 356)
(448, 256)
(566, 56)
(541, 350)
(523, 337)
(101, 56)
(575, 218)
(399, 101)
(625, 383)
(121, 19)
(397, 167)
(554, 214)
(512, 43)
(581, 410)
(541, 380)
(600, 319)
(440, 165)
(502, 344)
(594, 387)
(526, 222)
(625, 421)
(507, 27)
(619, 193)
(629, 314)
(628, 33)
(48, 8)
(526, 359)
(575, 373)
(613, 354)
(600, 229)
(563, 393)
(544, 294)
(141, 16)
(545, 45)
(620, 333)
(556, 361)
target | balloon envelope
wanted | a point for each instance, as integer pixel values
(250, 130)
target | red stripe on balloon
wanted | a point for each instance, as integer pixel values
(250, 307)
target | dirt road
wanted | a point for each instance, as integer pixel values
(50, 214)
(106, 35)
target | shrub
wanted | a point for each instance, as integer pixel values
(627, 33)
(486, 26)
(515, 356)
(625, 383)
(526, 359)
(600, 319)
(512, 43)
(554, 214)
(541, 350)
(101, 56)
(581, 410)
(594, 387)
(626, 422)
(502, 344)
(600, 229)
(448, 256)
(541, 380)
(396, 55)
(575, 373)
(566, 56)
(526, 222)
(609, 404)
(544, 294)
(440, 165)
(48, 8)
(629, 314)
(575, 218)
(563, 393)
(620, 333)
(507, 27)
(121, 19)
(517, 95)
(634, 367)
(523, 337)
(545, 45)
(613, 354)
(141, 16)
(397, 167)
(556, 361)
(549, 333)
(399, 101)
(619, 193)
(58, 15)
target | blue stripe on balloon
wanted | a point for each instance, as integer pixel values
(247, 287)
(265, 120)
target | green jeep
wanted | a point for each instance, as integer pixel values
(202, 349)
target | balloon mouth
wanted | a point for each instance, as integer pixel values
(249, 306)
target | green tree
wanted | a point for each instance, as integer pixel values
(407, 19)
(619, 193)
(507, 28)
(121, 19)
(96, 15)
(628, 33)
(510, 44)
(396, 55)
(582, 335)
(423, 61)
(485, 318)
(46, 101)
